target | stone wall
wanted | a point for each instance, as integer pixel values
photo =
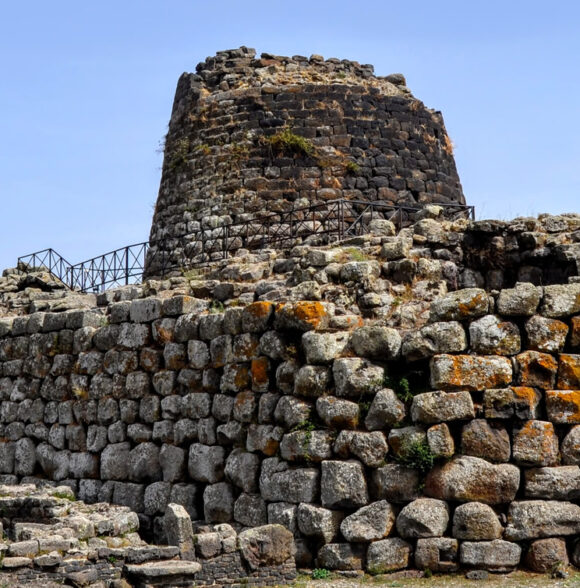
(349, 134)
(396, 400)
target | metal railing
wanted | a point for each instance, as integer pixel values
(322, 223)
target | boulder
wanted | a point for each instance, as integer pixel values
(388, 555)
(385, 411)
(437, 407)
(547, 555)
(370, 448)
(495, 556)
(490, 441)
(424, 517)
(561, 300)
(279, 483)
(535, 444)
(320, 523)
(343, 484)
(369, 523)
(376, 342)
(340, 556)
(555, 483)
(470, 372)
(534, 519)
(475, 521)
(265, 546)
(523, 300)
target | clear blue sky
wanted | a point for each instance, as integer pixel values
(86, 89)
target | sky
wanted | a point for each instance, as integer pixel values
(86, 90)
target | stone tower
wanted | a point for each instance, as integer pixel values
(254, 136)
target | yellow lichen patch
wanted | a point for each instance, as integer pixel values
(260, 368)
(575, 335)
(466, 309)
(467, 372)
(260, 309)
(563, 406)
(537, 369)
(535, 443)
(569, 372)
(312, 313)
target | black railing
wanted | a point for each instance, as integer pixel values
(323, 222)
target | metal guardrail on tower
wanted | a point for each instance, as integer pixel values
(334, 219)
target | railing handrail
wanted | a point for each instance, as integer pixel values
(96, 272)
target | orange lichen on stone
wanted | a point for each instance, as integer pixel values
(563, 406)
(536, 444)
(569, 372)
(260, 368)
(242, 375)
(537, 369)
(526, 401)
(575, 332)
(473, 305)
(260, 309)
(310, 312)
(469, 372)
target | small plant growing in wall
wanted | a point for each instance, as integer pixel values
(352, 168)
(289, 143)
(417, 455)
(320, 574)
(177, 152)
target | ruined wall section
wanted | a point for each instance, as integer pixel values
(365, 138)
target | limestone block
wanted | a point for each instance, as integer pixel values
(376, 342)
(535, 444)
(211, 326)
(495, 556)
(468, 303)
(115, 461)
(520, 401)
(133, 336)
(490, 335)
(560, 300)
(343, 484)
(396, 483)
(523, 300)
(370, 448)
(218, 503)
(468, 372)
(312, 381)
(475, 521)
(186, 327)
(385, 411)
(437, 407)
(553, 483)
(323, 348)
(468, 479)
(441, 337)
(178, 530)
(438, 554)
(534, 519)
(569, 372)
(309, 446)
(340, 556)
(206, 464)
(269, 545)
(317, 522)
(490, 441)
(369, 523)
(337, 413)
(424, 517)
(388, 555)
(355, 377)
(273, 345)
(250, 510)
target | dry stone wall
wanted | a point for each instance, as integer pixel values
(253, 136)
(395, 401)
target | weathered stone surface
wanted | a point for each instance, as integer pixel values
(547, 555)
(163, 570)
(115, 461)
(467, 479)
(322, 348)
(385, 411)
(257, 316)
(533, 519)
(206, 463)
(536, 369)
(490, 441)
(370, 448)
(555, 483)
(437, 554)
(340, 556)
(250, 510)
(178, 530)
(343, 484)
(491, 336)
(312, 446)
(444, 337)
(242, 469)
(395, 483)
(269, 545)
(452, 372)
(355, 377)
(279, 483)
(424, 517)
(437, 407)
(388, 555)
(337, 413)
(303, 316)
(402, 440)
(475, 521)
(547, 335)
(569, 372)
(291, 411)
(519, 401)
(522, 300)
(321, 523)
(369, 523)
(496, 555)
(563, 406)
(264, 438)
(440, 441)
(463, 304)
(560, 300)
(376, 342)
(218, 503)
(535, 444)
(571, 447)
(312, 381)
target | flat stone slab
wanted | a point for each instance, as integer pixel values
(163, 569)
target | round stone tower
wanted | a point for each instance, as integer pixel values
(250, 137)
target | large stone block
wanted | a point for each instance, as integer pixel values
(218, 503)
(522, 300)
(444, 337)
(320, 523)
(310, 446)
(370, 448)
(495, 556)
(322, 348)
(388, 555)
(343, 484)
(485, 439)
(561, 300)
(376, 342)
(468, 303)
(536, 369)
(266, 546)
(337, 413)
(341, 556)
(396, 483)
(469, 372)
(437, 407)
(179, 531)
(279, 483)
(437, 554)
(563, 406)
(475, 521)
(534, 519)
(369, 523)
(424, 517)
(556, 483)
(206, 463)
(546, 335)
(569, 372)
(355, 377)
(535, 443)
(243, 469)
(492, 336)
(547, 556)
(385, 411)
